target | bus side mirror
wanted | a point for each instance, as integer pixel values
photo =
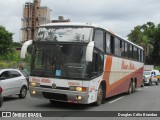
(89, 51)
(24, 48)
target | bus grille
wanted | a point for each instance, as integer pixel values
(55, 96)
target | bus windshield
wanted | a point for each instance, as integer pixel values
(59, 60)
(65, 34)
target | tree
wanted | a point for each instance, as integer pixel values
(5, 41)
(144, 36)
(156, 52)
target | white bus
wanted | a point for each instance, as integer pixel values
(82, 63)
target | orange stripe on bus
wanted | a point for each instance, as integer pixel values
(107, 71)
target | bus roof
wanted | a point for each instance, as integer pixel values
(88, 25)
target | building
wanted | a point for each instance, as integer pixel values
(33, 16)
(61, 19)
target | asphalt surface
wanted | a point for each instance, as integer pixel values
(144, 99)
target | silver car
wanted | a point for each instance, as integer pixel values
(13, 82)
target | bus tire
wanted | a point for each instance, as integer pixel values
(133, 86)
(130, 88)
(99, 96)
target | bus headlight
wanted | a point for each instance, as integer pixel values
(33, 84)
(77, 88)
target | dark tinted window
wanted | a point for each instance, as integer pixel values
(122, 47)
(135, 53)
(112, 45)
(126, 49)
(97, 64)
(108, 43)
(99, 39)
(117, 47)
(14, 74)
(5, 75)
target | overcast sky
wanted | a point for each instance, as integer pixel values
(120, 16)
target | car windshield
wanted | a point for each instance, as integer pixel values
(65, 34)
(147, 73)
(25, 73)
(63, 61)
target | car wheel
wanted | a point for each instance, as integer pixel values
(23, 92)
(143, 83)
(157, 83)
(150, 83)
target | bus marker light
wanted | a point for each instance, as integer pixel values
(79, 97)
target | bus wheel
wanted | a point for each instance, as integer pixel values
(99, 95)
(143, 84)
(133, 86)
(130, 88)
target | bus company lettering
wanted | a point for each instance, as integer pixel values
(73, 83)
(35, 80)
(129, 66)
(43, 80)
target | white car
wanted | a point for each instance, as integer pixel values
(13, 82)
(149, 77)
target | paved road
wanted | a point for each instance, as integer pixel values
(144, 99)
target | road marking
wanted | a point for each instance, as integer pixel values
(116, 99)
(145, 87)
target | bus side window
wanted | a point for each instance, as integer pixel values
(112, 44)
(99, 38)
(97, 64)
(108, 43)
(117, 47)
(100, 63)
(126, 49)
(122, 47)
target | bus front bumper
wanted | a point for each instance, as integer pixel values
(59, 95)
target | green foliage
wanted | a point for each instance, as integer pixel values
(5, 41)
(7, 64)
(10, 60)
(9, 57)
(157, 68)
(148, 36)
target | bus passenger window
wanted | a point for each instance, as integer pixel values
(122, 46)
(112, 44)
(108, 43)
(126, 49)
(117, 47)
